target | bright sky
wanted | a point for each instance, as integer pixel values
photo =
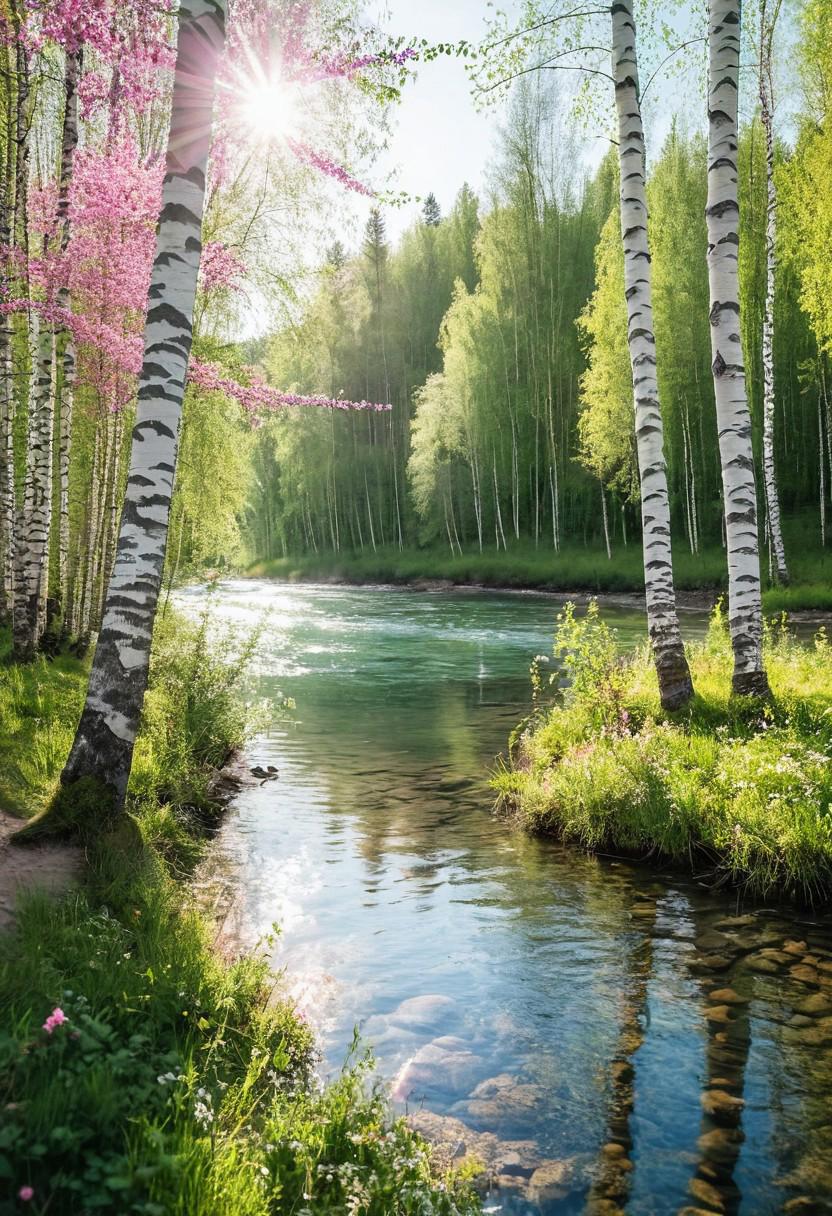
(439, 141)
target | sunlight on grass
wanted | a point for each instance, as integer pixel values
(728, 786)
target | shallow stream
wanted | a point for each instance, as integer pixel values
(607, 1037)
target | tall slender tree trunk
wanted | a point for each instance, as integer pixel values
(675, 685)
(103, 747)
(745, 615)
(31, 561)
(69, 142)
(769, 468)
(606, 524)
(7, 400)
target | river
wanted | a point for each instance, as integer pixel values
(608, 1037)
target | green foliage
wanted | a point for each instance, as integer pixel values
(605, 425)
(194, 715)
(725, 786)
(40, 704)
(806, 180)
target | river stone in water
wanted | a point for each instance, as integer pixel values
(443, 1063)
(504, 1098)
(422, 1011)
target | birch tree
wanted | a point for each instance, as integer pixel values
(733, 416)
(577, 50)
(675, 685)
(103, 748)
(69, 142)
(766, 90)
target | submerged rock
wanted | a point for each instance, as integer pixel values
(424, 1010)
(816, 1005)
(444, 1063)
(708, 1194)
(710, 962)
(551, 1181)
(727, 996)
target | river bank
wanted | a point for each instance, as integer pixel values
(142, 1070)
(700, 578)
(735, 791)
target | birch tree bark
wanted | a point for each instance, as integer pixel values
(745, 615)
(7, 171)
(69, 142)
(675, 684)
(31, 560)
(103, 747)
(769, 467)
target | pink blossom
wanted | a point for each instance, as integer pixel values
(56, 1018)
(219, 266)
(323, 164)
(260, 397)
(26, 1193)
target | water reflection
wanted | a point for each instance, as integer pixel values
(606, 1039)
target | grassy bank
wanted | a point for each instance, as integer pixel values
(724, 788)
(139, 1072)
(572, 569)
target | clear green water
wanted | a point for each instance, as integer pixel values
(530, 992)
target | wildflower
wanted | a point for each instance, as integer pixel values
(26, 1193)
(56, 1018)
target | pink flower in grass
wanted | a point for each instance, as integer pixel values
(56, 1018)
(26, 1193)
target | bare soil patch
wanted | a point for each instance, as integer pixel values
(50, 866)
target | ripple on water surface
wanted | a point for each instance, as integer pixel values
(605, 1038)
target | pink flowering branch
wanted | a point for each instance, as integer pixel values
(258, 397)
(309, 156)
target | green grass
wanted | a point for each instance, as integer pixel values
(726, 787)
(180, 1083)
(574, 568)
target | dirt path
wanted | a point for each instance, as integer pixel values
(50, 867)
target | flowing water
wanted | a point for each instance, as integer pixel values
(606, 1037)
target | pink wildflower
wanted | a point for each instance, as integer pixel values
(56, 1018)
(26, 1193)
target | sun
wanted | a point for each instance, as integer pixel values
(267, 109)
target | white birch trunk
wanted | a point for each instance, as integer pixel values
(103, 747)
(7, 480)
(32, 527)
(675, 685)
(606, 523)
(498, 512)
(769, 468)
(6, 384)
(745, 615)
(69, 143)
